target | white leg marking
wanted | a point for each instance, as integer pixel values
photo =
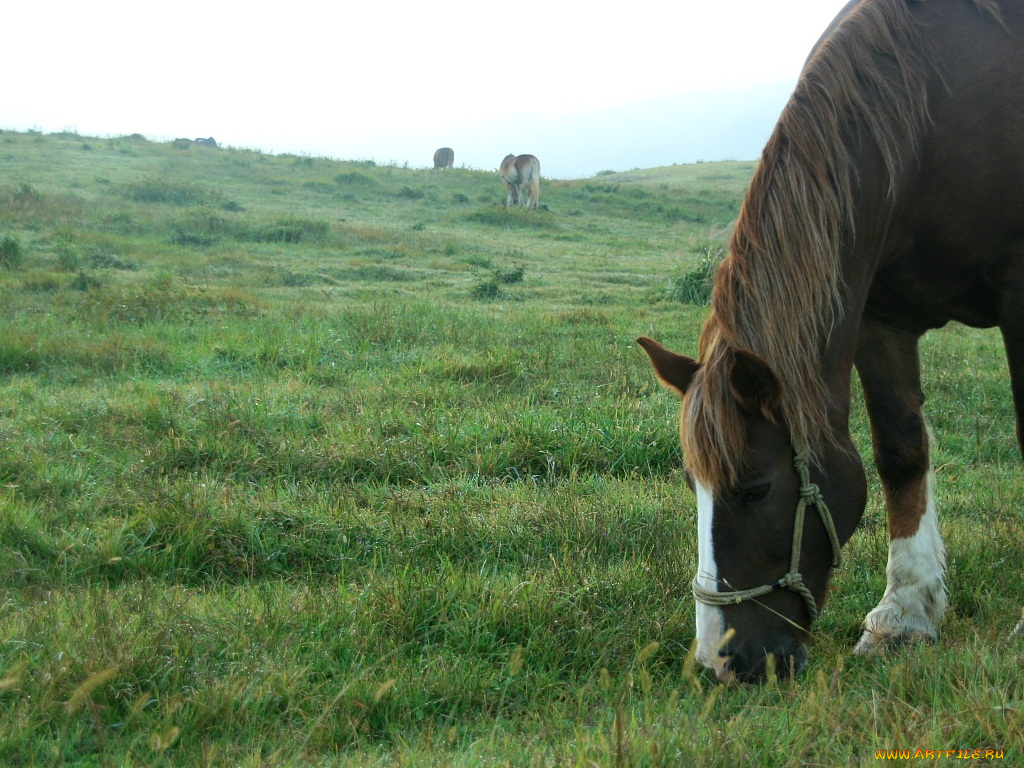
(710, 621)
(915, 596)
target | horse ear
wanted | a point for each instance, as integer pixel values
(755, 385)
(675, 371)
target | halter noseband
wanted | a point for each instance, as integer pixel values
(809, 494)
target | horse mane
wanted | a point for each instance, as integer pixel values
(779, 293)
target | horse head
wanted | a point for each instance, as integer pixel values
(770, 522)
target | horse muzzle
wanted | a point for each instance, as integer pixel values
(749, 666)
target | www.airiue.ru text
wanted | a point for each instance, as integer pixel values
(936, 754)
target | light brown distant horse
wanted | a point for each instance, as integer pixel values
(888, 201)
(444, 158)
(519, 172)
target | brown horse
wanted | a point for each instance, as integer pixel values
(519, 172)
(888, 201)
(444, 158)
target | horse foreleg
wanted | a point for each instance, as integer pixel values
(915, 596)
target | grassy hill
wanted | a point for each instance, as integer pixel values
(310, 462)
(343, 226)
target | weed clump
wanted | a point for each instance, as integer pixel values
(84, 282)
(513, 274)
(112, 261)
(694, 287)
(293, 229)
(486, 289)
(151, 190)
(409, 193)
(67, 255)
(202, 227)
(353, 179)
(490, 287)
(12, 255)
(26, 194)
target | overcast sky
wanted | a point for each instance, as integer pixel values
(391, 80)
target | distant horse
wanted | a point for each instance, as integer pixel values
(519, 172)
(888, 201)
(444, 158)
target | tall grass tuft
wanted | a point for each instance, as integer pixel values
(694, 287)
(12, 255)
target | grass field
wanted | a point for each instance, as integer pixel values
(317, 463)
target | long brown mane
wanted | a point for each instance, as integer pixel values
(780, 293)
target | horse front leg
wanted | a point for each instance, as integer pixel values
(915, 596)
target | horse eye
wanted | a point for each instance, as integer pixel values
(755, 492)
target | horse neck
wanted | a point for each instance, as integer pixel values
(801, 314)
(874, 234)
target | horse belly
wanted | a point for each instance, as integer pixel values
(918, 296)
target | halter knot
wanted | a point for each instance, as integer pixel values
(810, 493)
(791, 581)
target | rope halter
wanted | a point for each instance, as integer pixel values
(809, 494)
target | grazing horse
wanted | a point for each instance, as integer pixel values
(444, 158)
(889, 200)
(519, 172)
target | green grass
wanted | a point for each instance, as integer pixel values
(316, 463)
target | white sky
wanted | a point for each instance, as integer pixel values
(385, 79)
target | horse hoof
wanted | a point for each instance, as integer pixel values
(870, 644)
(877, 644)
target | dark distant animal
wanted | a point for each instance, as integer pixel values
(889, 200)
(207, 142)
(444, 158)
(521, 172)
